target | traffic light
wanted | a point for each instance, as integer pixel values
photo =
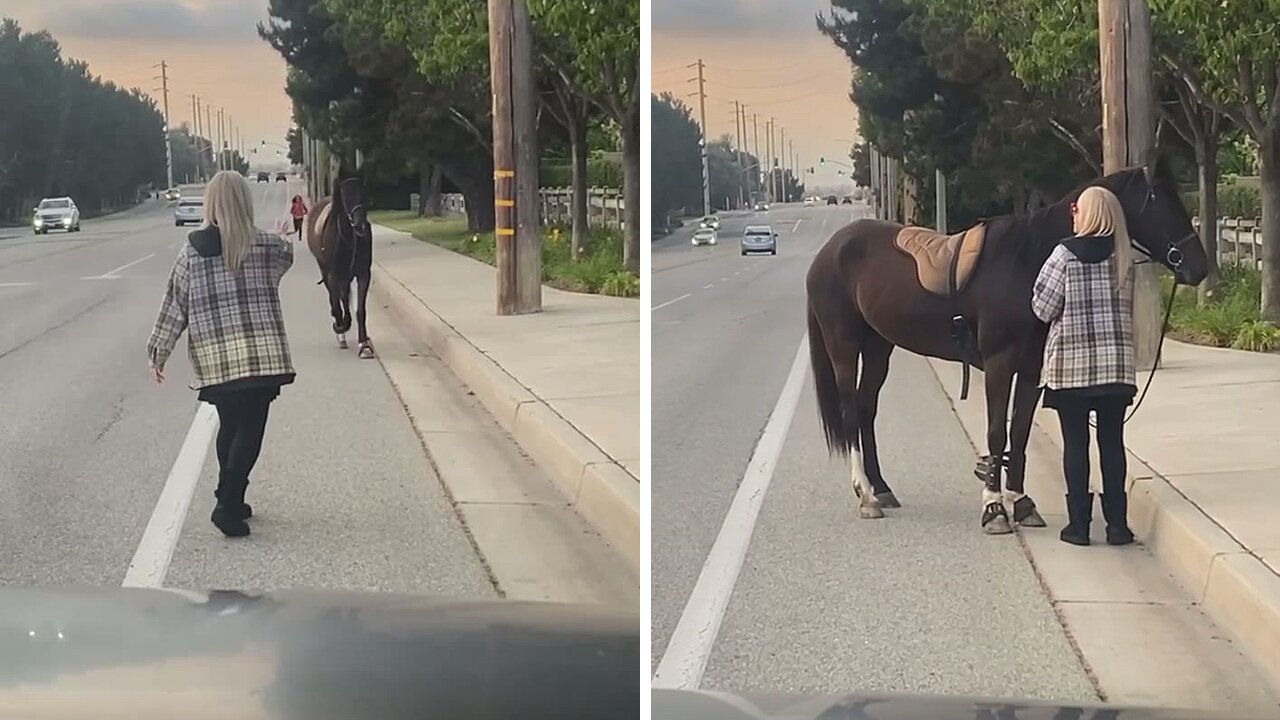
(822, 161)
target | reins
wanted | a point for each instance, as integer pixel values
(1174, 259)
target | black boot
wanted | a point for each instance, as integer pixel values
(1079, 516)
(230, 513)
(1115, 508)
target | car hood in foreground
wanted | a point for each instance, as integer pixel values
(711, 705)
(131, 653)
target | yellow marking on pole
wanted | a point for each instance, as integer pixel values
(504, 173)
(504, 203)
(505, 231)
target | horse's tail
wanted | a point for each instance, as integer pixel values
(839, 424)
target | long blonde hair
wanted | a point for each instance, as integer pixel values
(1098, 212)
(229, 205)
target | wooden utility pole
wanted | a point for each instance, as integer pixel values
(1128, 136)
(195, 133)
(168, 137)
(737, 131)
(782, 155)
(706, 148)
(758, 186)
(515, 159)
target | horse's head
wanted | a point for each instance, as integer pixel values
(351, 195)
(1158, 221)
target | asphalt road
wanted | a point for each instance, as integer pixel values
(825, 602)
(344, 494)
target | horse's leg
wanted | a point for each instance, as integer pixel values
(875, 368)
(1026, 395)
(346, 304)
(999, 381)
(362, 293)
(844, 345)
(335, 309)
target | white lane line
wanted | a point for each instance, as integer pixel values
(708, 286)
(17, 284)
(672, 301)
(685, 659)
(793, 227)
(151, 561)
(112, 275)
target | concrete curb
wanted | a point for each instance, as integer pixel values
(600, 490)
(1235, 588)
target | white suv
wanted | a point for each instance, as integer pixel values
(58, 213)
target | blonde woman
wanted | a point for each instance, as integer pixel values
(1085, 294)
(224, 291)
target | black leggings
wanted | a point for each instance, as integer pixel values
(243, 422)
(1074, 418)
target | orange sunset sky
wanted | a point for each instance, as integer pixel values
(768, 55)
(211, 47)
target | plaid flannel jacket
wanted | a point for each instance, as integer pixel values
(234, 321)
(1090, 323)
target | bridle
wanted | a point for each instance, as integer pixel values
(350, 215)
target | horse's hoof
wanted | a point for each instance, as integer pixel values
(342, 342)
(869, 511)
(1026, 514)
(995, 520)
(888, 500)
(366, 351)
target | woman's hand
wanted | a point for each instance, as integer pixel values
(157, 374)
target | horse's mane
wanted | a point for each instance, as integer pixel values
(1035, 234)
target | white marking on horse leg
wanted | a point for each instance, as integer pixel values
(989, 497)
(869, 506)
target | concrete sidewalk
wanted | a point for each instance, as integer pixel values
(1206, 485)
(565, 382)
(1204, 476)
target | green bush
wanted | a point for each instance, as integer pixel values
(1234, 200)
(1222, 322)
(1258, 336)
(601, 173)
(599, 270)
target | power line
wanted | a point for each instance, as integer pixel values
(788, 83)
(767, 69)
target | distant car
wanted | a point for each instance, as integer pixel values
(282, 177)
(810, 202)
(704, 236)
(831, 200)
(711, 221)
(172, 194)
(761, 206)
(58, 213)
(847, 201)
(759, 238)
(264, 177)
(189, 210)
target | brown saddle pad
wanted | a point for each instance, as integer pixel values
(933, 251)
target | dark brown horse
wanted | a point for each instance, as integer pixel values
(341, 240)
(965, 298)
